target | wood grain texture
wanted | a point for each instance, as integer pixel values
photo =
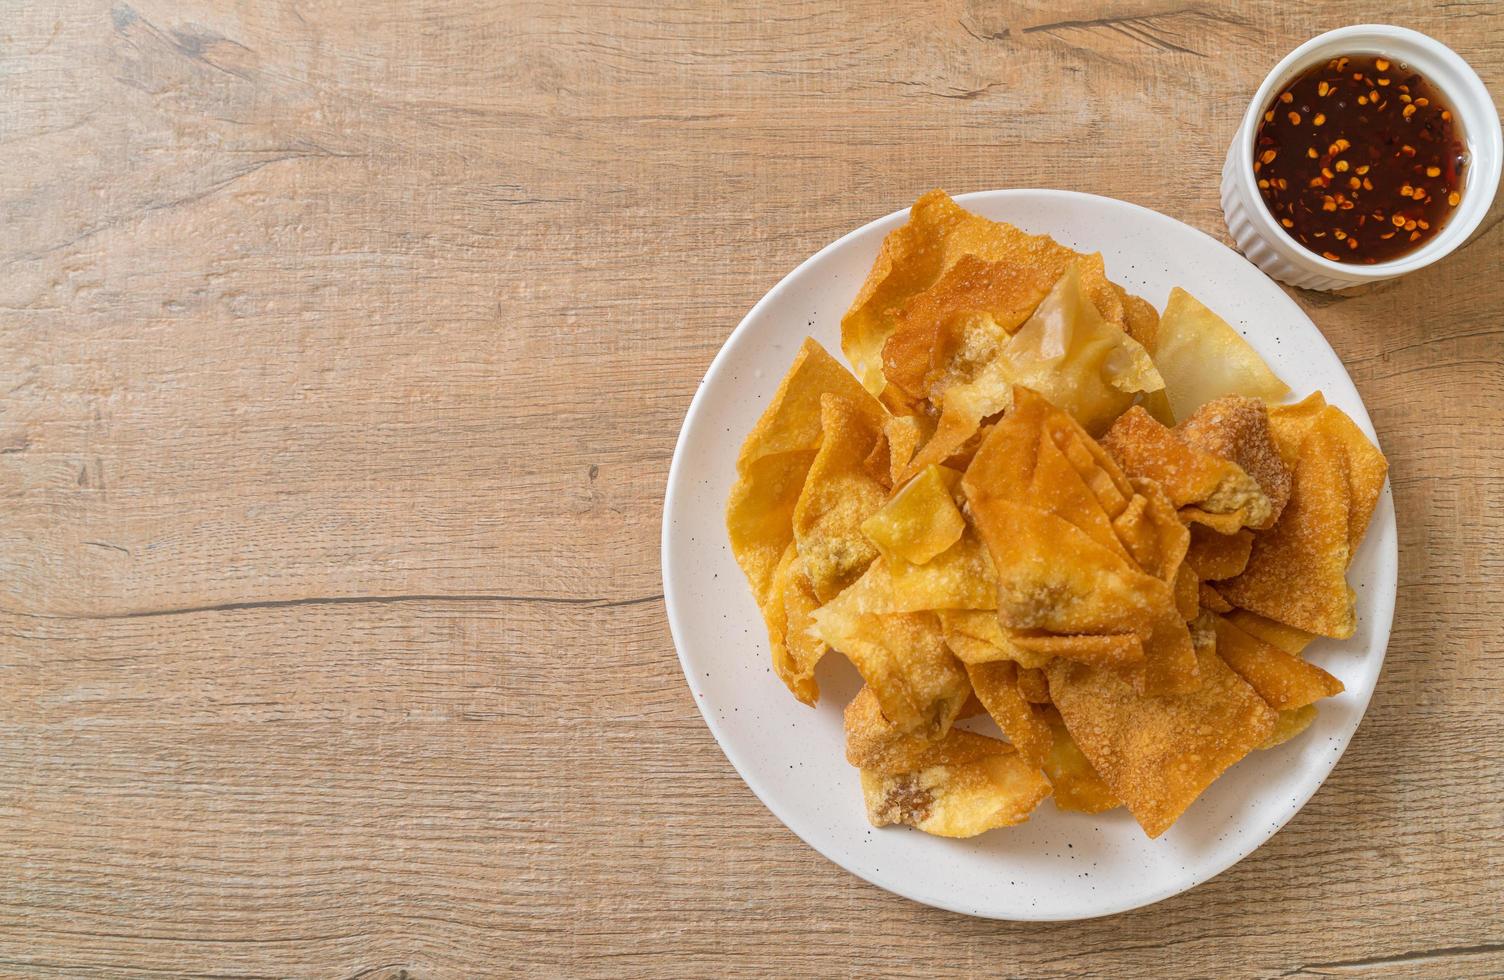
(343, 349)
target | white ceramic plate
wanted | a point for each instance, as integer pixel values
(1057, 865)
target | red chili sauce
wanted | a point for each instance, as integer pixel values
(1360, 160)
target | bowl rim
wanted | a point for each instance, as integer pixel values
(1469, 97)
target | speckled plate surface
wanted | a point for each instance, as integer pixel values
(1058, 865)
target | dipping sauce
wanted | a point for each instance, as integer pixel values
(1360, 160)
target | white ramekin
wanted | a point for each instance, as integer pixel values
(1261, 238)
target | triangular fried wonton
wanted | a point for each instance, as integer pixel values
(1055, 513)
(913, 257)
(1218, 556)
(958, 785)
(846, 484)
(796, 650)
(772, 470)
(939, 336)
(902, 655)
(1076, 784)
(1067, 351)
(1237, 428)
(1025, 724)
(1199, 483)
(1282, 679)
(1201, 358)
(775, 460)
(1287, 638)
(1296, 574)
(1158, 753)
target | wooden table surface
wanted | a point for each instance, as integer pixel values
(343, 349)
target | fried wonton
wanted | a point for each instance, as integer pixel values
(1033, 685)
(1200, 358)
(1236, 428)
(776, 457)
(1217, 556)
(958, 785)
(796, 649)
(772, 469)
(966, 785)
(1067, 532)
(1289, 724)
(1199, 483)
(1076, 784)
(1083, 363)
(1289, 424)
(996, 686)
(901, 655)
(914, 257)
(1170, 665)
(843, 489)
(921, 520)
(1368, 467)
(1210, 599)
(960, 577)
(1296, 574)
(874, 742)
(1287, 638)
(906, 433)
(947, 333)
(1283, 679)
(1157, 753)
(975, 636)
(1066, 351)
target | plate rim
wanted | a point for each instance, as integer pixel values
(1382, 622)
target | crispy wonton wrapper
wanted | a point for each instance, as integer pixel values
(772, 468)
(1158, 753)
(1217, 556)
(1290, 724)
(775, 460)
(1297, 573)
(969, 784)
(796, 649)
(1033, 685)
(847, 483)
(915, 256)
(1200, 358)
(935, 560)
(1077, 785)
(901, 655)
(1210, 599)
(959, 785)
(1085, 558)
(921, 520)
(1197, 467)
(1283, 679)
(1237, 428)
(1066, 351)
(996, 686)
(1287, 638)
(940, 336)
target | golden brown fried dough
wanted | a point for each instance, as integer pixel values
(1283, 679)
(915, 256)
(902, 656)
(1296, 574)
(841, 491)
(1157, 753)
(1199, 483)
(1218, 556)
(1236, 428)
(996, 686)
